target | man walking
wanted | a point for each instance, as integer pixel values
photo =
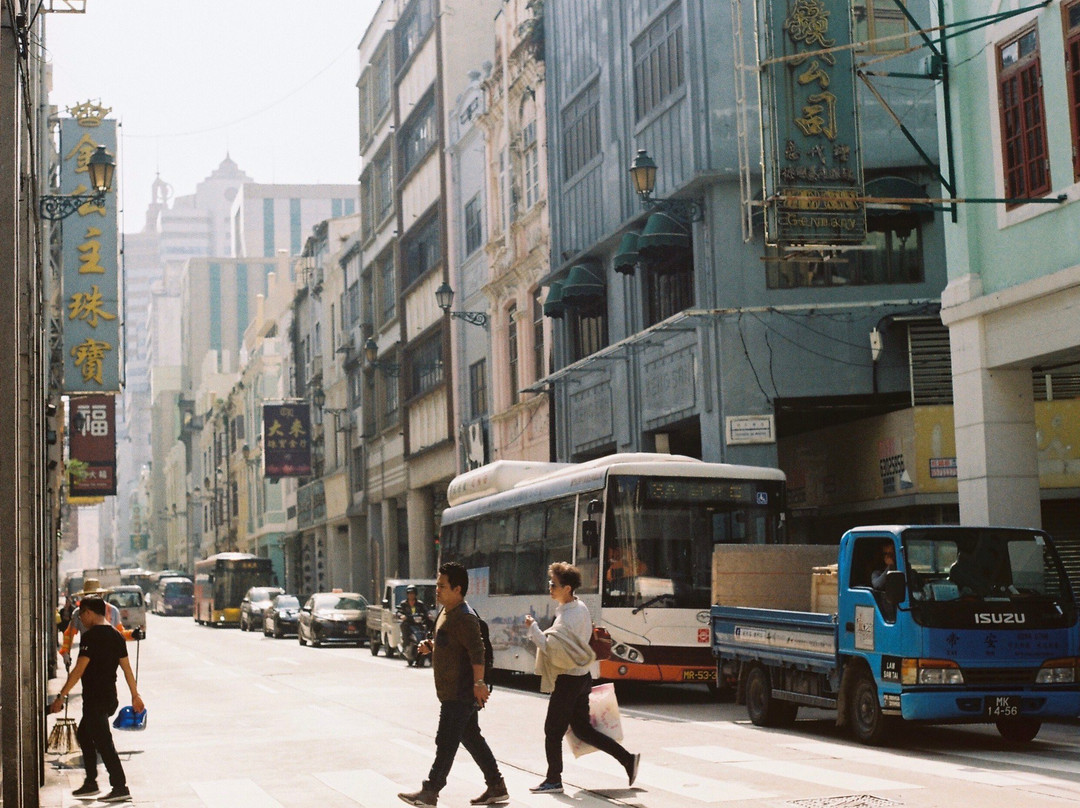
(101, 650)
(458, 666)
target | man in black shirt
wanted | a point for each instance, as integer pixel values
(101, 649)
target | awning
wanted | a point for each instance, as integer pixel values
(584, 286)
(662, 233)
(627, 256)
(554, 306)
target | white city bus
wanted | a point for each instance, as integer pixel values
(640, 527)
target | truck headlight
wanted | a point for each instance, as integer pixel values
(1057, 672)
(930, 672)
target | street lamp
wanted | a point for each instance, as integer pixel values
(371, 351)
(101, 166)
(445, 296)
(643, 176)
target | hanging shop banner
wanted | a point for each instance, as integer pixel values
(286, 440)
(91, 307)
(92, 441)
(814, 170)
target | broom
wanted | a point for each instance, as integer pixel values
(62, 738)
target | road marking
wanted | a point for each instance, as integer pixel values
(234, 794)
(263, 687)
(714, 754)
(367, 787)
(684, 784)
(806, 773)
(286, 660)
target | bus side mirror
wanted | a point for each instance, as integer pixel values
(590, 534)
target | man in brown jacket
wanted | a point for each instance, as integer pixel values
(458, 666)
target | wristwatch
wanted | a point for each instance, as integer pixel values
(478, 683)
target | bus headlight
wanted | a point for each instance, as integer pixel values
(623, 651)
(1057, 672)
(930, 672)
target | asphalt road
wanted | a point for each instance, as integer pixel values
(237, 720)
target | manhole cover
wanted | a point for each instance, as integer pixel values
(846, 801)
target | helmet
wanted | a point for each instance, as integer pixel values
(410, 588)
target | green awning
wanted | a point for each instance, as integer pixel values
(584, 286)
(662, 233)
(627, 256)
(554, 306)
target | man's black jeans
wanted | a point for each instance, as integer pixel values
(569, 707)
(458, 726)
(95, 738)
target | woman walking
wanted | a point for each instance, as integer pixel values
(564, 660)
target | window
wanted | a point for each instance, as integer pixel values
(413, 27)
(478, 389)
(389, 395)
(366, 124)
(512, 354)
(504, 188)
(666, 293)
(875, 19)
(581, 131)
(1023, 120)
(892, 255)
(418, 135)
(426, 366)
(530, 154)
(658, 63)
(588, 333)
(383, 180)
(539, 363)
(474, 229)
(1071, 14)
(421, 249)
(381, 84)
(387, 287)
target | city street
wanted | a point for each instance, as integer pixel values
(239, 720)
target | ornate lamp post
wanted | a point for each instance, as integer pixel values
(445, 296)
(101, 168)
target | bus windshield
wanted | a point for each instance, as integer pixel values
(660, 533)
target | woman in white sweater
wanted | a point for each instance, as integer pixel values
(564, 661)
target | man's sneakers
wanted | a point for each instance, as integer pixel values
(548, 787)
(632, 767)
(423, 798)
(87, 789)
(493, 795)
(120, 794)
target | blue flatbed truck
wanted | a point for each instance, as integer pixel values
(974, 625)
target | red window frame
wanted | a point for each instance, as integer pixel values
(1072, 75)
(1024, 149)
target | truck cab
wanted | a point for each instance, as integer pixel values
(956, 624)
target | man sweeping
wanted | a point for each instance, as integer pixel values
(101, 650)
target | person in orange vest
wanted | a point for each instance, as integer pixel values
(75, 625)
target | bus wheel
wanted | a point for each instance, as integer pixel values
(867, 722)
(1018, 730)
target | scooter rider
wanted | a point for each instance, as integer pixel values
(409, 609)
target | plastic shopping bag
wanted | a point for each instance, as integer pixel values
(603, 715)
(130, 719)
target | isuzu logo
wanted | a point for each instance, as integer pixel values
(999, 618)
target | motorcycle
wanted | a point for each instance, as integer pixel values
(414, 628)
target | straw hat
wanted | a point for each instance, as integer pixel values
(91, 585)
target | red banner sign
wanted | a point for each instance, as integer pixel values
(92, 440)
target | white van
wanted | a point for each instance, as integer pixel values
(131, 603)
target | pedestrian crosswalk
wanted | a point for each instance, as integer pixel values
(785, 767)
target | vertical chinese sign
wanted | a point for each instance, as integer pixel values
(286, 440)
(813, 173)
(91, 308)
(92, 440)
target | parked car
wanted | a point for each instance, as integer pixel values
(130, 602)
(253, 605)
(333, 617)
(281, 616)
(173, 596)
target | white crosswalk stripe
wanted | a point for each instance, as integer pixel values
(233, 794)
(368, 788)
(685, 784)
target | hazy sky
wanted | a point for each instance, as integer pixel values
(271, 82)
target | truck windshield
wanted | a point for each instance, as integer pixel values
(952, 570)
(660, 533)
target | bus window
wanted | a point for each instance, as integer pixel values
(495, 543)
(530, 571)
(559, 539)
(564, 518)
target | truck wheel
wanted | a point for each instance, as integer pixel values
(1018, 730)
(762, 708)
(389, 648)
(867, 723)
(373, 644)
